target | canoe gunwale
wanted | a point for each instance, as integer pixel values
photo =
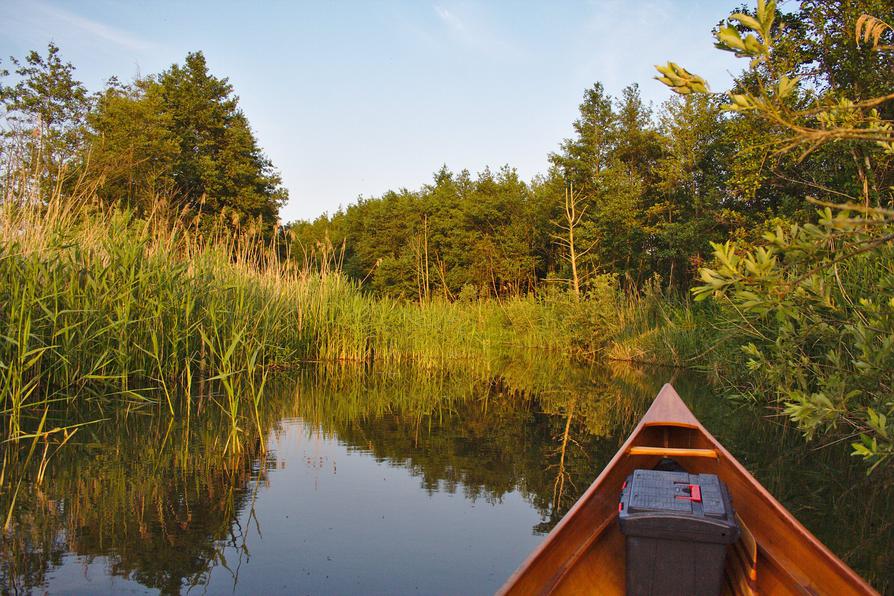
(566, 522)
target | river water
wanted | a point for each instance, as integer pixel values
(366, 480)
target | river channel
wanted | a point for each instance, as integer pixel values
(368, 480)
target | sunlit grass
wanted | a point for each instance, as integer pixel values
(98, 304)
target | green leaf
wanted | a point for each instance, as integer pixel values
(746, 20)
(729, 39)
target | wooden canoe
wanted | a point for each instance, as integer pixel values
(584, 554)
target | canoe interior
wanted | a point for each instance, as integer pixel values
(585, 552)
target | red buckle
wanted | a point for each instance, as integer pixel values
(695, 494)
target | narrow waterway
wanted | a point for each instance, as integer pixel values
(386, 481)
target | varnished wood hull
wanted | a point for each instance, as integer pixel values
(585, 552)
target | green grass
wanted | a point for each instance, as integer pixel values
(96, 304)
(668, 329)
(357, 327)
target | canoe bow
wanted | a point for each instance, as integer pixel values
(584, 553)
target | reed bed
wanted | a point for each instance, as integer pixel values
(437, 332)
(99, 304)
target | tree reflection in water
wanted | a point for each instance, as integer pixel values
(163, 503)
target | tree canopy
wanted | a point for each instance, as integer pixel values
(178, 135)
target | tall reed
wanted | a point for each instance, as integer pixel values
(97, 303)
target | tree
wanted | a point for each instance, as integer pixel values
(45, 109)
(637, 144)
(690, 204)
(573, 214)
(816, 297)
(132, 146)
(583, 157)
(496, 218)
(220, 168)
(180, 135)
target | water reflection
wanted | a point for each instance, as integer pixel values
(152, 497)
(526, 429)
(386, 480)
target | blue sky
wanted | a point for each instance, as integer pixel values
(355, 98)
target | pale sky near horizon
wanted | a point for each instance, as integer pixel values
(352, 99)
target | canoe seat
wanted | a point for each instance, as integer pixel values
(672, 451)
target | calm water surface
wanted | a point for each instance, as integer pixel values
(384, 481)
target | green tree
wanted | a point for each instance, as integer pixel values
(690, 203)
(220, 168)
(133, 149)
(497, 217)
(479, 235)
(585, 155)
(616, 224)
(611, 163)
(638, 145)
(816, 298)
(45, 110)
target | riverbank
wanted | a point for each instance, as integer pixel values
(152, 321)
(100, 304)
